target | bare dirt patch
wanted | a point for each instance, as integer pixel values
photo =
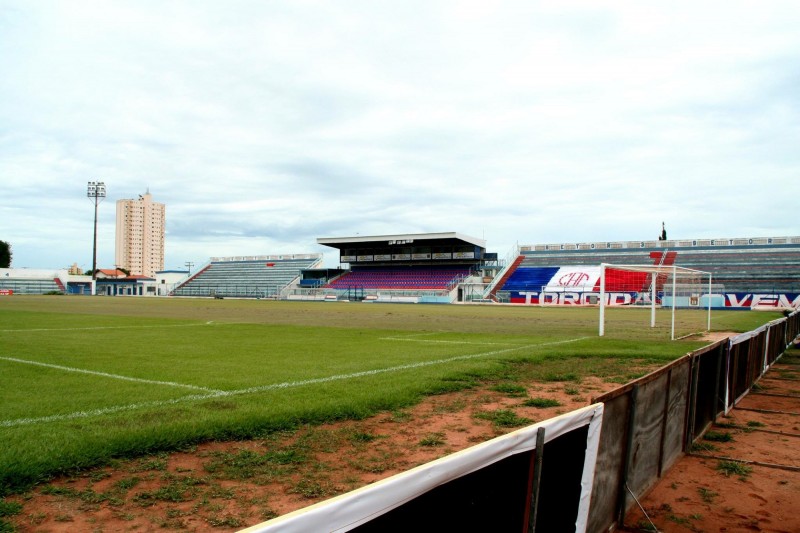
(714, 336)
(744, 476)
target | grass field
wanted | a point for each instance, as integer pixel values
(84, 380)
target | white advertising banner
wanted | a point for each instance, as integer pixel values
(574, 278)
(348, 511)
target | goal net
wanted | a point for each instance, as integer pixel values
(679, 299)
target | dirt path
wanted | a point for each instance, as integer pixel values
(745, 475)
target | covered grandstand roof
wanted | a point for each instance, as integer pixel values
(407, 238)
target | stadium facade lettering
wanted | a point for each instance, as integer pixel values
(736, 300)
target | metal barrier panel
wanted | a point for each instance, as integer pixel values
(648, 423)
(604, 508)
(675, 421)
(709, 385)
(777, 341)
(642, 434)
(660, 420)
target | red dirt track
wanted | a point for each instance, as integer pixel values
(695, 495)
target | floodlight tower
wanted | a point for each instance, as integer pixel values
(96, 190)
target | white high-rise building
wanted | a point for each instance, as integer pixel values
(140, 235)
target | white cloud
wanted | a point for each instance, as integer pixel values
(263, 125)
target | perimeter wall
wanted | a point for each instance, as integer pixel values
(649, 423)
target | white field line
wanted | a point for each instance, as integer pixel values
(432, 341)
(107, 375)
(92, 328)
(264, 388)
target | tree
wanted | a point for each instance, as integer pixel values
(5, 255)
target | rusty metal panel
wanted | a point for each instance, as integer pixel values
(647, 435)
(610, 457)
(676, 415)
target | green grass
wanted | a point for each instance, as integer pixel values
(701, 446)
(85, 380)
(735, 468)
(504, 418)
(433, 439)
(510, 389)
(541, 403)
(718, 436)
(707, 495)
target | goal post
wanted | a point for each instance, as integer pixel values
(666, 288)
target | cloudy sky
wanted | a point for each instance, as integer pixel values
(263, 125)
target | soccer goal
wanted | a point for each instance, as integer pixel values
(679, 296)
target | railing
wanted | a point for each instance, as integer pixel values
(509, 261)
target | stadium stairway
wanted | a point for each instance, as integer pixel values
(502, 281)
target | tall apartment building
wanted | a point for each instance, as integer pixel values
(140, 235)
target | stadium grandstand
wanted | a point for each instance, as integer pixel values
(451, 267)
(43, 281)
(749, 272)
(264, 276)
(413, 268)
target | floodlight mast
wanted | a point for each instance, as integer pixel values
(95, 190)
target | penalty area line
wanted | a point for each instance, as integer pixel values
(93, 328)
(107, 375)
(265, 388)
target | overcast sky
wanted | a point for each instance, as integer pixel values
(263, 125)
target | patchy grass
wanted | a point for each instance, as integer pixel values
(707, 495)
(433, 439)
(313, 488)
(504, 418)
(247, 464)
(701, 446)
(541, 403)
(567, 376)
(359, 437)
(735, 468)
(177, 489)
(511, 390)
(718, 436)
(8, 509)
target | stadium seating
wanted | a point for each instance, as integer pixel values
(745, 269)
(529, 278)
(31, 285)
(255, 278)
(415, 279)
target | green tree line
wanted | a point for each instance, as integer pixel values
(5, 255)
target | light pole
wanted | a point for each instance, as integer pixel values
(97, 191)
